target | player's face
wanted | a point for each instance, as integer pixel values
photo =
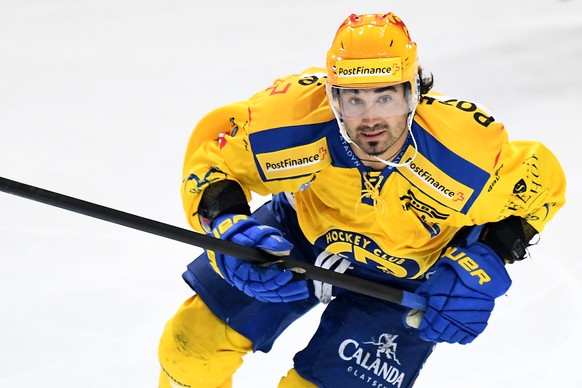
(375, 119)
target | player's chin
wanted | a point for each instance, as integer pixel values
(376, 140)
(373, 147)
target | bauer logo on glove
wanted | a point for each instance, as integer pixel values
(461, 293)
(467, 264)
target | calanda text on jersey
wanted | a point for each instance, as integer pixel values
(463, 171)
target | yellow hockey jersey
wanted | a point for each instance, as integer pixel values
(463, 171)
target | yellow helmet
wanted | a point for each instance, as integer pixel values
(371, 51)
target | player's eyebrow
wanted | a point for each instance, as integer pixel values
(378, 90)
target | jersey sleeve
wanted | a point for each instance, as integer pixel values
(527, 181)
(522, 178)
(208, 160)
(240, 141)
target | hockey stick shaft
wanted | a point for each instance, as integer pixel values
(352, 283)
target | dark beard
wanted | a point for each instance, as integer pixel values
(377, 153)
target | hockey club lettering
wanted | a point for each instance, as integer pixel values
(373, 362)
(363, 249)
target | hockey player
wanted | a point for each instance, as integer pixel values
(374, 175)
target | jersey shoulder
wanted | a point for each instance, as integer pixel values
(466, 128)
(294, 100)
(289, 124)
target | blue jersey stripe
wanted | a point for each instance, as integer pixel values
(451, 164)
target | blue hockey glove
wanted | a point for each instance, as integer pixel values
(266, 283)
(461, 293)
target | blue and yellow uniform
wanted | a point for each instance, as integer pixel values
(285, 139)
(392, 225)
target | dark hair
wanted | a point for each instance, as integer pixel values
(426, 81)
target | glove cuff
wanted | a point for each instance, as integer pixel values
(228, 224)
(479, 268)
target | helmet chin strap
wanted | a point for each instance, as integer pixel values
(348, 139)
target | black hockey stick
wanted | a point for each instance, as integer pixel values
(254, 255)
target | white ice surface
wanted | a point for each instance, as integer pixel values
(97, 101)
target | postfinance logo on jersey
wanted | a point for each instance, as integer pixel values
(361, 71)
(422, 173)
(296, 161)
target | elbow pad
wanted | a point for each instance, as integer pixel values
(508, 238)
(222, 197)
